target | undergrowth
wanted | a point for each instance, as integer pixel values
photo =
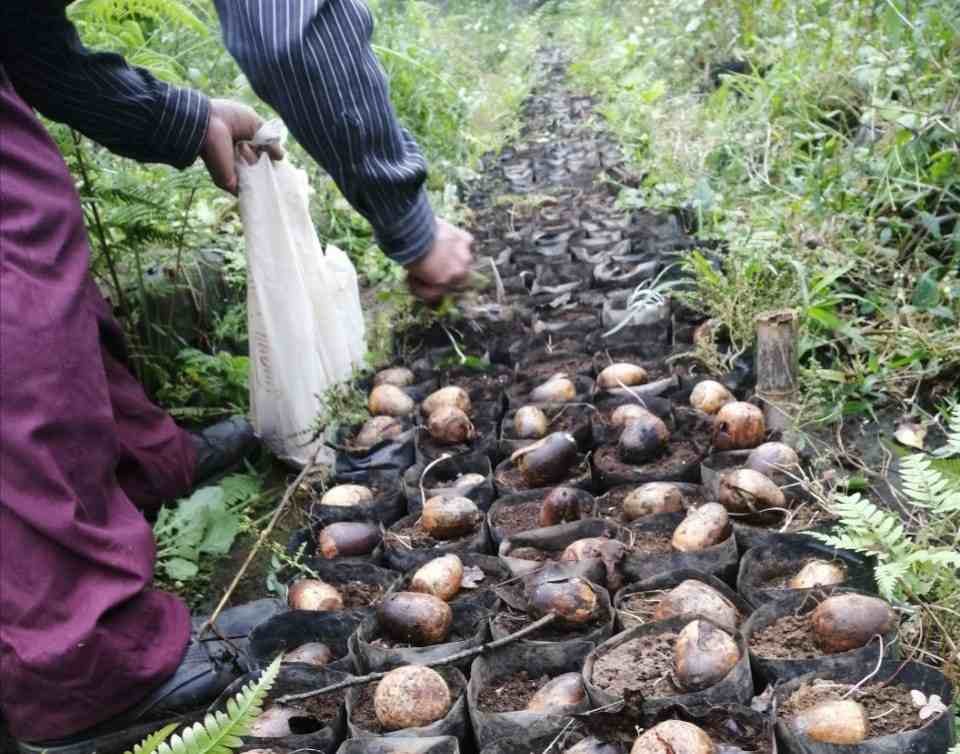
(818, 142)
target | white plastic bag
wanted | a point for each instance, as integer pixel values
(306, 327)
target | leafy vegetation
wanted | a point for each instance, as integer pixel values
(219, 732)
(917, 553)
(818, 143)
(195, 531)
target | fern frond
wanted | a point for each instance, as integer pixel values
(866, 528)
(952, 446)
(219, 732)
(924, 485)
(889, 577)
(151, 743)
(117, 11)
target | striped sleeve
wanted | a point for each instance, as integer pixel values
(311, 61)
(123, 108)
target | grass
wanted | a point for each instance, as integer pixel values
(826, 166)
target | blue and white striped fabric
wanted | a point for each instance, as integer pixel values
(309, 59)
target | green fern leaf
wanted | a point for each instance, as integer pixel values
(952, 446)
(889, 578)
(217, 733)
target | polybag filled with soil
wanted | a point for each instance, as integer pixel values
(288, 631)
(765, 571)
(375, 650)
(782, 643)
(636, 603)
(636, 667)
(512, 515)
(572, 418)
(650, 552)
(894, 722)
(526, 552)
(503, 683)
(362, 720)
(467, 475)
(386, 507)
(354, 462)
(407, 545)
(317, 724)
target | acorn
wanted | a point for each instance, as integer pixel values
(412, 696)
(415, 618)
(558, 695)
(848, 621)
(749, 491)
(396, 376)
(449, 517)
(643, 439)
(818, 573)
(703, 654)
(440, 577)
(313, 594)
(452, 396)
(652, 498)
(692, 597)
(572, 600)
(738, 426)
(589, 548)
(312, 653)
(558, 389)
(710, 396)
(450, 426)
(348, 539)
(530, 423)
(346, 495)
(628, 412)
(674, 737)
(547, 461)
(703, 527)
(560, 506)
(775, 460)
(378, 429)
(620, 375)
(389, 400)
(842, 722)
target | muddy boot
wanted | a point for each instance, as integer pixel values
(222, 446)
(209, 665)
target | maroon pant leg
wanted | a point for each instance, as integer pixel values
(82, 634)
(156, 458)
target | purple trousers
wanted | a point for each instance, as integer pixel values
(82, 635)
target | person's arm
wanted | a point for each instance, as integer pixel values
(123, 108)
(311, 61)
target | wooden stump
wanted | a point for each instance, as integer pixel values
(777, 367)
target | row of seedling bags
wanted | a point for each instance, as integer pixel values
(585, 618)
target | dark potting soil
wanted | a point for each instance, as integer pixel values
(324, 707)
(416, 538)
(535, 553)
(509, 620)
(646, 542)
(643, 665)
(433, 449)
(730, 730)
(535, 374)
(359, 594)
(511, 519)
(483, 387)
(889, 708)
(788, 638)
(385, 642)
(638, 609)
(510, 478)
(680, 453)
(510, 693)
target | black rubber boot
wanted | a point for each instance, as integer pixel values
(222, 446)
(209, 665)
